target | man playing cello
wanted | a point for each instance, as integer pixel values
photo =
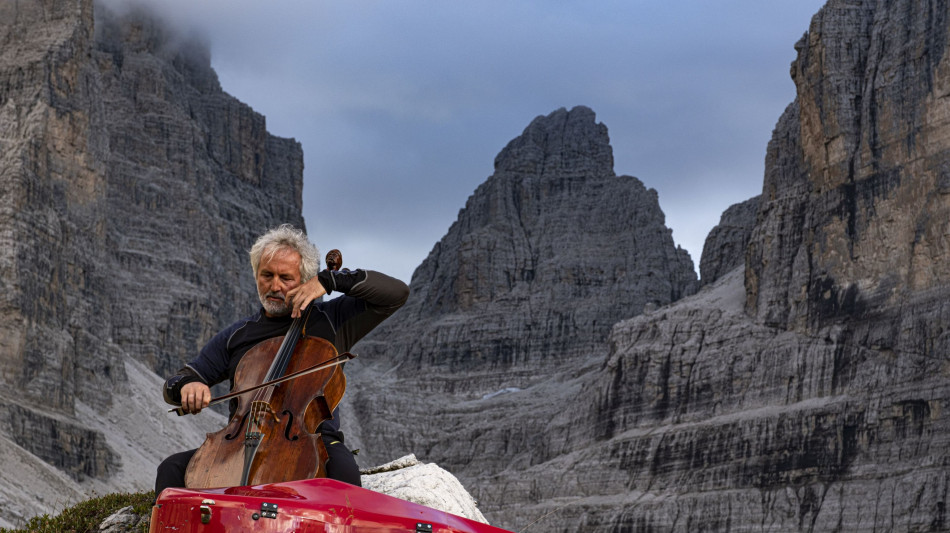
(285, 265)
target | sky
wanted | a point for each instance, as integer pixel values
(402, 105)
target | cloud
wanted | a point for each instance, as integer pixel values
(401, 107)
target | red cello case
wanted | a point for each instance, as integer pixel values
(309, 505)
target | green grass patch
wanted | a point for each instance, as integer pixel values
(85, 517)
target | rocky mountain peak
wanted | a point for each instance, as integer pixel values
(547, 255)
(804, 387)
(132, 187)
(565, 143)
(553, 215)
(725, 246)
(135, 29)
(856, 178)
(553, 353)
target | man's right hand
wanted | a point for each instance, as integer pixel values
(195, 396)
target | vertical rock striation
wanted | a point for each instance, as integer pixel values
(804, 391)
(725, 245)
(130, 188)
(553, 353)
(857, 180)
(520, 294)
(547, 255)
(808, 390)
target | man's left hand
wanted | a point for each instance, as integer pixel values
(301, 296)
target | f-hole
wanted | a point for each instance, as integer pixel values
(232, 436)
(290, 423)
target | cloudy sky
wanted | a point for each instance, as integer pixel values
(402, 105)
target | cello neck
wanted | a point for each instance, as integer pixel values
(282, 358)
(334, 260)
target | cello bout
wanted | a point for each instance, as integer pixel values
(283, 445)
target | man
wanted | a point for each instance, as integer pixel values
(285, 266)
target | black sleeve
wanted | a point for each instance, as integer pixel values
(172, 389)
(370, 297)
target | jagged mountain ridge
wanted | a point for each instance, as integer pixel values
(552, 218)
(724, 248)
(548, 253)
(132, 186)
(805, 390)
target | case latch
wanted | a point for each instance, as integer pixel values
(205, 510)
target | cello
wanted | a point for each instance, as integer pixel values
(286, 387)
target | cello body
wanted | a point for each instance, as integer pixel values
(270, 438)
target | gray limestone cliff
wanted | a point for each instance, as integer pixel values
(857, 173)
(548, 254)
(804, 390)
(130, 188)
(726, 243)
(555, 354)
(807, 389)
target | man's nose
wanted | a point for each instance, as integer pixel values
(277, 285)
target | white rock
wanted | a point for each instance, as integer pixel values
(425, 484)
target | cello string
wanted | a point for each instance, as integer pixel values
(259, 404)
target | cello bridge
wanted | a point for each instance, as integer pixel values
(260, 409)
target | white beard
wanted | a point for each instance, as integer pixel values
(273, 308)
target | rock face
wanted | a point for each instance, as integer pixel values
(130, 188)
(857, 182)
(553, 354)
(546, 256)
(426, 484)
(726, 243)
(805, 390)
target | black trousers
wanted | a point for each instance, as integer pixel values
(341, 466)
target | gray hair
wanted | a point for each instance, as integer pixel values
(282, 237)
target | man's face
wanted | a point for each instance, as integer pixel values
(277, 274)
